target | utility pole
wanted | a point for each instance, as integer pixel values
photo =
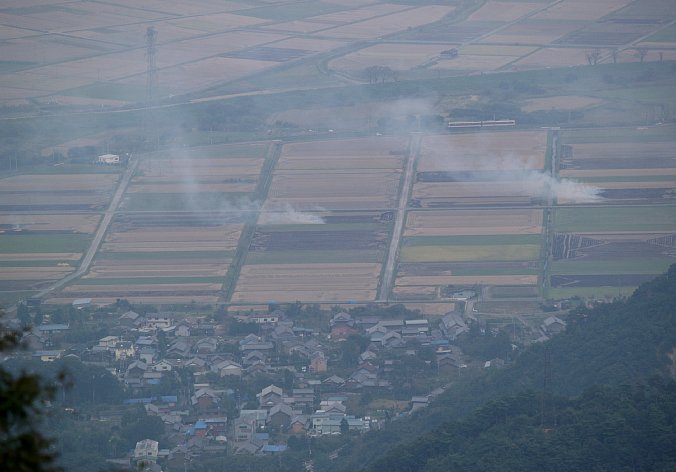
(152, 84)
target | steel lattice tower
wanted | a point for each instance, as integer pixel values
(151, 65)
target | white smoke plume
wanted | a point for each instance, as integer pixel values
(287, 214)
(539, 184)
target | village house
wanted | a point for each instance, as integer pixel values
(553, 325)
(131, 319)
(146, 450)
(318, 362)
(269, 397)
(279, 417)
(452, 325)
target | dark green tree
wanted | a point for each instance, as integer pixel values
(23, 397)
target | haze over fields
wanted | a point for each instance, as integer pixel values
(486, 171)
(360, 167)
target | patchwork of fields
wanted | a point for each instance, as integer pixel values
(47, 222)
(314, 221)
(631, 236)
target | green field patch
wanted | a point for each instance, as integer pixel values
(207, 201)
(507, 252)
(292, 11)
(476, 240)
(590, 292)
(594, 219)
(166, 255)
(610, 267)
(35, 243)
(313, 256)
(150, 280)
(516, 291)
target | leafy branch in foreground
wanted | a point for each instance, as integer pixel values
(23, 398)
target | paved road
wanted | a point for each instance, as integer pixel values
(100, 232)
(388, 273)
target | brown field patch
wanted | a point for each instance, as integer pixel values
(41, 256)
(473, 222)
(503, 11)
(513, 150)
(478, 190)
(158, 270)
(469, 280)
(74, 223)
(336, 190)
(303, 27)
(581, 9)
(34, 273)
(533, 32)
(381, 146)
(220, 238)
(353, 15)
(192, 187)
(59, 182)
(342, 163)
(615, 151)
(389, 24)
(474, 62)
(574, 173)
(151, 288)
(553, 57)
(561, 102)
(316, 282)
(395, 56)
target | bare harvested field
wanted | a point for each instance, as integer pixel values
(41, 256)
(590, 174)
(516, 150)
(503, 11)
(381, 146)
(473, 222)
(581, 9)
(311, 282)
(562, 102)
(221, 238)
(335, 191)
(468, 280)
(474, 62)
(359, 174)
(58, 182)
(389, 24)
(50, 222)
(478, 191)
(395, 56)
(351, 16)
(34, 273)
(553, 57)
(136, 288)
(533, 32)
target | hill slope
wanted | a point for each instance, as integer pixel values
(620, 343)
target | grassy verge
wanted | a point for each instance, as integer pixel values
(620, 265)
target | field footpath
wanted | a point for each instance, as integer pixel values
(100, 232)
(404, 195)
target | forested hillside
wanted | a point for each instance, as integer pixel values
(623, 343)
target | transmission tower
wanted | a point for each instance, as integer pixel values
(151, 65)
(151, 88)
